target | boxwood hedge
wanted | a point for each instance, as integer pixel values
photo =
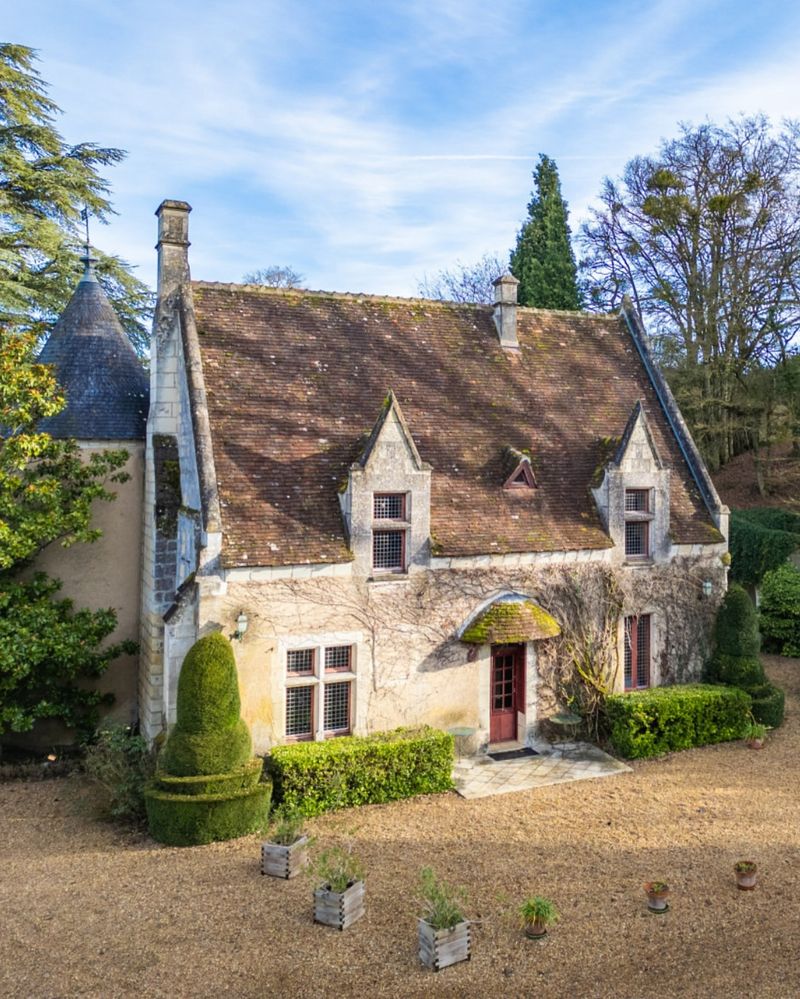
(664, 719)
(314, 777)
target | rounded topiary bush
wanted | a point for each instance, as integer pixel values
(207, 786)
(738, 671)
(768, 704)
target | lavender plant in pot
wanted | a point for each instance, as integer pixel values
(339, 897)
(443, 929)
(285, 853)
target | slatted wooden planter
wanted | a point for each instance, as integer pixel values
(440, 948)
(339, 909)
(284, 861)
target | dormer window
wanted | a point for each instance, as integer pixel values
(389, 543)
(638, 515)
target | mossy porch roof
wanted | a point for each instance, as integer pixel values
(509, 622)
(296, 379)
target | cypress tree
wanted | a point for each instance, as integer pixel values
(543, 260)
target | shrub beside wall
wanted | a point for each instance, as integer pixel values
(314, 777)
(665, 719)
(780, 611)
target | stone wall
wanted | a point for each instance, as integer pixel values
(410, 666)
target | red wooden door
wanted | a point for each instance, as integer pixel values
(508, 691)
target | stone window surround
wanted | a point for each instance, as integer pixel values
(317, 680)
(645, 516)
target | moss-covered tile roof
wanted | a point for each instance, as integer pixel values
(296, 379)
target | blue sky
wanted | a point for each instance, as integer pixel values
(366, 144)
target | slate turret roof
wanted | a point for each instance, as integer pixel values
(296, 379)
(106, 386)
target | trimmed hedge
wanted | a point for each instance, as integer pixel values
(768, 704)
(314, 777)
(761, 540)
(780, 610)
(191, 820)
(241, 779)
(665, 719)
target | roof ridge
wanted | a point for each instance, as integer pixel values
(400, 299)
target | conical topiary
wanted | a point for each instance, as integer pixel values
(736, 639)
(736, 660)
(207, 786)
(209, 736)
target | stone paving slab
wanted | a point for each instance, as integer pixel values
(479, 777)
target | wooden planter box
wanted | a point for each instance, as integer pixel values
(339, 910)
(440, 948)
(284, 861)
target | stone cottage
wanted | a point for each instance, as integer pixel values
(410, 511)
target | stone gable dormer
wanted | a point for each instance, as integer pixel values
(386, 501)
(633, 496)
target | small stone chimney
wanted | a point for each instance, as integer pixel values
(173, 246)
(505, 310)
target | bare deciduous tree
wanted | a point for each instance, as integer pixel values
(465, 283)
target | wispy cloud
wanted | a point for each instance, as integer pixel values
(366, 145)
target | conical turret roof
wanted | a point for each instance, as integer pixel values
(106, 386)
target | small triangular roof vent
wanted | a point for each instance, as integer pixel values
(517, 470)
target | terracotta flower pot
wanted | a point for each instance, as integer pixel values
(535, 930)
(755, 743)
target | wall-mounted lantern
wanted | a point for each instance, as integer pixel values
(708, 588)
(241, 626)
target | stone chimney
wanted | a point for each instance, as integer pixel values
(505, 310)
(173, 246)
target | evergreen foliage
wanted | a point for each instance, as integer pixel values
(209, 736)
(735, 660)
(45, 183)
(47, 651)
(543, 260)
(46, 489)
(780, 610)
(736, 627)
(207, 786)
(665, 719)
(314, 777)
(760, 541)
(121, 763)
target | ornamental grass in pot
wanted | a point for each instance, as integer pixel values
(537, 914)
(755, 735)
(285, 853)
(339, 897)
(443, 929)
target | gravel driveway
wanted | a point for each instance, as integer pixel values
(88, 910)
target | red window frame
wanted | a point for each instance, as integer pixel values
(332, 732)
(400, 498)
(311, 671)
(345, 667)
(302, 736)
(638, 648)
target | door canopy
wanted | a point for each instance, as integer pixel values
(508, 620)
